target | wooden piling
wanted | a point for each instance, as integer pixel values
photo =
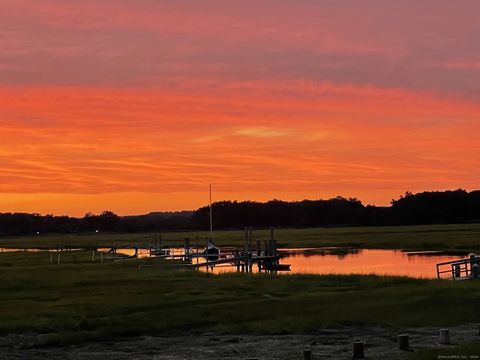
(250, 239)
(358, 350)
(444, 337)
(93, 255)
(58, 258)
(186, 246)
(403, 342)
(51, 258)
(237, 255)
(307, 354)
(101, 257)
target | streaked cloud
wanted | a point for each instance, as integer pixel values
(260, 132)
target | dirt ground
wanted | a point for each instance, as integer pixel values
(326, 344)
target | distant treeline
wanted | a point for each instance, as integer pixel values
(457, 206)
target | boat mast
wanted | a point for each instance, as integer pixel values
(211, 215)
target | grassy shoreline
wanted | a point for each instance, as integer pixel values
(456, 237)
(81, 302)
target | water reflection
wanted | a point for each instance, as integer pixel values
(358, 261)
(313, 260)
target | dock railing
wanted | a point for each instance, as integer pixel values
(463, 269)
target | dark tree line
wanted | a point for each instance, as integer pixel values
(457, 206)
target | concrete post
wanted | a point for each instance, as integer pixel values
(358, 350)
(307, 354)
(403, 342)
(444, 338)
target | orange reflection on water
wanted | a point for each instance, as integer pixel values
(378, 262)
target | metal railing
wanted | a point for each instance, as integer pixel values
(459, 269)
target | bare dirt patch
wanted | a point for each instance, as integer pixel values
(326, 344)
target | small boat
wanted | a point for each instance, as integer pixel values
(276, 267)
(211, 251)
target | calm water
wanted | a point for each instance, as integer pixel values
(379, 262)
(333, 261)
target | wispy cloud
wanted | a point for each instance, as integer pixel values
(140, 104)
(260, 132)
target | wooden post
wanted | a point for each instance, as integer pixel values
(307, 354)
(457, 272)
(186, 248)
(265, 248)
(358, 350)
(246, 239)
(444, 338)
(58, 259)
(403, 342)
(93, 255)
(51, 258)
(101, 257)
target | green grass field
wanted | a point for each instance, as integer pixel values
(71, 303)
(463, 237)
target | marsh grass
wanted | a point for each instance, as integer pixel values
(460, 237)
(70, 303)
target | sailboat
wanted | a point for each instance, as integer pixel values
(211, 251)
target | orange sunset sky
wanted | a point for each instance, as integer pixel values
(136, 106)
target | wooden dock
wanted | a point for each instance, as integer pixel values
(263, 258)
